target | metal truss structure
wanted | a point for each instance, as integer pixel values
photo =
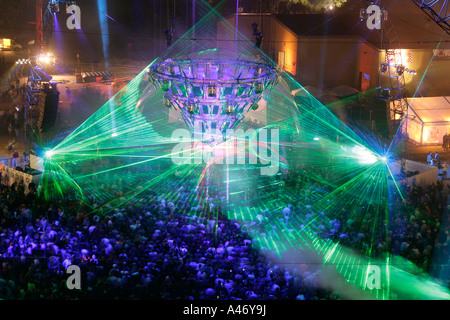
(437, 10)
(212, 94)
(396, 102)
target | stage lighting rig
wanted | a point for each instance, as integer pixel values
(213, 93)
(54, 6)
(413, 72)
(364, 14)
(400, 70)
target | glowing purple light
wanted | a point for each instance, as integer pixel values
(213, 94)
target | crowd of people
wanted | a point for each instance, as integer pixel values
(168, 243)
(417, 227)
(433, 160)
(150, 249)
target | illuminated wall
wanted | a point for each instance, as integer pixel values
(279, 42)
(368, 67)
(334, 61)
(427, 120)
(432, 72)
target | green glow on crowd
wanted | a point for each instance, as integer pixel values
(124, 151)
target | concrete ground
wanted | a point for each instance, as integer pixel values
(419, 154)
(68, 117)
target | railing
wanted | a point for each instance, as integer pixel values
(21, 162)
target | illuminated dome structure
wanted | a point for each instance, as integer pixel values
(212, 91)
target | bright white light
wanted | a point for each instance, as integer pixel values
(317, 139)
(364, 155)
(384, 159)
(44, 59)
(115, 134)
(49, 153)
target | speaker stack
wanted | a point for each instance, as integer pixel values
(50, 106)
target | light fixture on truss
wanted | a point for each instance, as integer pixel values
(213, 94)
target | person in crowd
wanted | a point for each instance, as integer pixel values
(430, 158)
(14, 159)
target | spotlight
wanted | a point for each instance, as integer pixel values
(383, 159)
(191, 108)
(385, 94)
(229, 109)
(115, 134)
(364, 155)
(316, 138)
(54, 7)
(224, 126)
(362, 14)
(70, 3)
(400, 70)
(211, 91)
(46, 58)
(383, 68)
(413, 72)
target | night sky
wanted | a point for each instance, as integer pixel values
(136, 28)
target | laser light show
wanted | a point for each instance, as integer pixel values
(209, 171)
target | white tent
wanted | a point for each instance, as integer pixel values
(427, 120)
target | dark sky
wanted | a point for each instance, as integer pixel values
(136, 28)
(138, 25)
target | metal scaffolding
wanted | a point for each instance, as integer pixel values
(437, 10)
